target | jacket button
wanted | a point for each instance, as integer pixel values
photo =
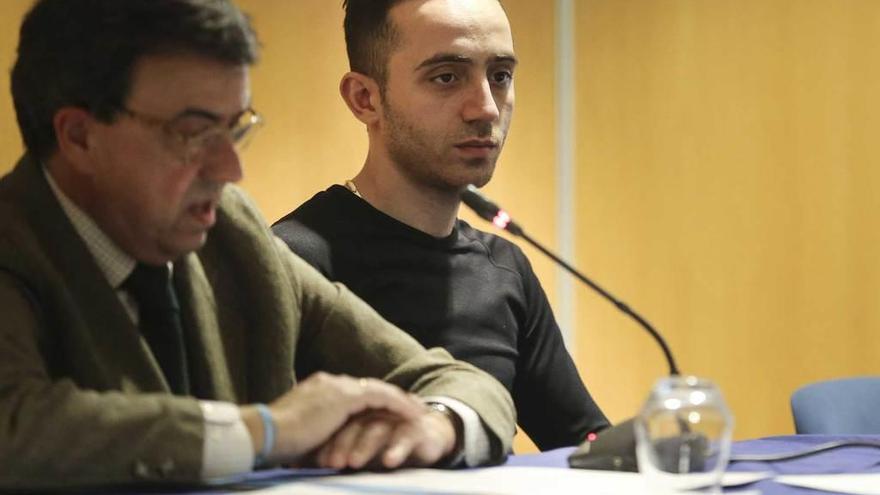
(141, 470)
(167, 468)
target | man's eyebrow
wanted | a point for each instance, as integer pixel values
(206, 114)
(505, 59)
(445, 58)
(199, 112)
(452, 58)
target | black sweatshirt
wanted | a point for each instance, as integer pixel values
(472, 292)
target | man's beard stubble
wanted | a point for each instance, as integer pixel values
(416, 153)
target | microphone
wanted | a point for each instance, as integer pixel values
(613, 449)
(486, 209)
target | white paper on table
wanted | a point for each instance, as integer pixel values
(857, 484)
(488, 481)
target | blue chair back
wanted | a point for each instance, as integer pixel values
(838, 407)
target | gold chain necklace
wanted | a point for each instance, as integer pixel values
(351, 186)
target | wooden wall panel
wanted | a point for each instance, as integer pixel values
(728, 190)
(11, 12)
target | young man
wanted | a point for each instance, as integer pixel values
(432, 81)
(153, 329)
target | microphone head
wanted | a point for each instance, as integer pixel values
(481, 205)
(488, 210)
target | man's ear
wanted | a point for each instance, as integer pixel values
(361, 94)
(72, 128)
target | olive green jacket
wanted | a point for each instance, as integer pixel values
(82, 400)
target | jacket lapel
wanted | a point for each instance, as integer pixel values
(110, 353)
(209, 352)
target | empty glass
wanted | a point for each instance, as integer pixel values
(683, 435)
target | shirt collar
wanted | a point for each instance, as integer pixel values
(113, 261)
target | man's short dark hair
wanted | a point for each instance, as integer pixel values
(370, 36)
(81, 53)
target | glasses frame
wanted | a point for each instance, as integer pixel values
(196, 146)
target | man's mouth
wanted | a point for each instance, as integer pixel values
(478, 143)
(477, 148)
(205, 212)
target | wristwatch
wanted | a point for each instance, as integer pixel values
(457, 452)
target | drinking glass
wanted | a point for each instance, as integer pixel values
(683, 435)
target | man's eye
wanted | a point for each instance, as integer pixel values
(192, 127)
(503, 78)
(445, 78)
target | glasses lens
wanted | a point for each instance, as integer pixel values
(243, 130)
(239, 133)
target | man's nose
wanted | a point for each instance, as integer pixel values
(222, 162)
(480, 104)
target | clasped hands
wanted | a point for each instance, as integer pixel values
(341, 422)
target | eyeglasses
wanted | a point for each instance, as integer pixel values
(194, 135)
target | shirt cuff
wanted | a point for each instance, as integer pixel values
(475, 449)
(228, 450)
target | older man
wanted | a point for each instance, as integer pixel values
(153, 329)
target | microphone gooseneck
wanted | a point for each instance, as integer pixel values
(488, 210)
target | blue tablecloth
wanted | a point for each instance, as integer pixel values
(838, 461)
(843, 460)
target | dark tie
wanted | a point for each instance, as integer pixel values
(159, 321)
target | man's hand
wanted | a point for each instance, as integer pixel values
(308, 415)
(382, 440)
